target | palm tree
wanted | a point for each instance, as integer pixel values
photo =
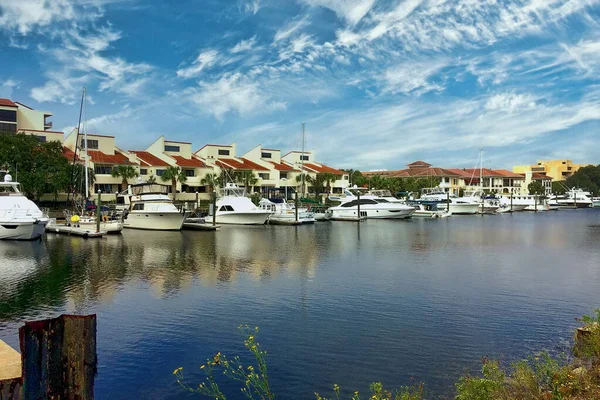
(247, 178)
(151, 179)
(211, 180)
(328, 178)
(126, 172)
(307, 179)
(173, 174)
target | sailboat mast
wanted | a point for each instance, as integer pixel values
(75, 149)
(481, 170)
(87, 158)
(302, 159)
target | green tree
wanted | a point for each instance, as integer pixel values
(174, 175)
(586, 178)
(328, 178)
(308, 180)
(536, 188)
(151, 179)
(246, 178)
(77, 172)
(211, 180)
(125, 172)
(559, 187)
(318, 183)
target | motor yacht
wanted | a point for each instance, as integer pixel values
(285, 213)
(371, 207)
(233, 207)
(148, 206)
(449, 202)
(20, 218)
(574, 198)
(595, 202)
(108, 223)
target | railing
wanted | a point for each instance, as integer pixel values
(12, 214)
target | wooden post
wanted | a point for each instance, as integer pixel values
(575, 198)
(59, 358)
(511, 201)
(535, 201)
(98, 210)
(196, 208)
(358, 205)
(448, 201)
(296, 205)
(214, 204)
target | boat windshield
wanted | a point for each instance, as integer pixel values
(381, 200)
(147, 188)
(9, 188)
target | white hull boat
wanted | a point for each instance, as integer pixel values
(284, 213)
(450, 202)
(150, 208)
(234, 208)
(371, 207)
(20, 218)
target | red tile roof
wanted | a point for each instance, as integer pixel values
(240, 163)
(103, 158)
(68, 153)
(189, 162)
(538, 176)
(322, 168)
(282, 166)
(149, 159)
(418, 164)
(7, 103)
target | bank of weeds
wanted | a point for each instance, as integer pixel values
(541, 377)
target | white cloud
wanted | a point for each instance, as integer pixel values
(232, 92)
(413, 76)
(244, 45)
(23, 16)
(7, 87)
(291, 28)
(350, 10)
(251, 6)
(206, 59)
(510, 102)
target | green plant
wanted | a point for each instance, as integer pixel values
(247, 178)
(125, 172)
(173, 174)
(484, 388)
(211, 180)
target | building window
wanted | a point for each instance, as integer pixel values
(263, 176)
(91, 144)
(8, 116)
(174, 149)
(8, 128)
(283, 175)
(103, 187)
(189, 172)
(223, 152)
(42, 138)
(304, 158)
(160, 172)
(143, 171)
(103, 169)
(265, 155)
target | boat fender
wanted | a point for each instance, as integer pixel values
(104, 218)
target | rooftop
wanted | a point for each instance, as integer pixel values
(7, 103)
(149, 159)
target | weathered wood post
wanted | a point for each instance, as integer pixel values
(511, 201)
(535, 201)
(98, 210)
(59, 358)
(358, 205)
(214, 204)
(196, 208)
(575, 198)
(296, 205)
(448, 201)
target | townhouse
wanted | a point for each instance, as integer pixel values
(558, 170)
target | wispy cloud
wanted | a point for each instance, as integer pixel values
(25, 16)
(206, 59)
(350, 10)
(291, 28)
(244, 45)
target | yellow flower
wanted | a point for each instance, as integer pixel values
(202, 366)
(177, 370)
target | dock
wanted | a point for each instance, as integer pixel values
(200, 226)
(10, 362)
(74, 231)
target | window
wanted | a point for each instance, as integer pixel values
(226, 208)
(8, 128)
(172, 148)
(223, 152)
(283, 175)
(42, 138)
(160, 172)
(304, 158)
(103, 187)
(91, 144)
(8, 116)
(346, 177)
(143, 171)
(103, 169)
(354, 203)
(189, 172)
(265, 155)
(138, 206)
(263, 176)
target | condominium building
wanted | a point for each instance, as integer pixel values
(558, 170)
(16, 117)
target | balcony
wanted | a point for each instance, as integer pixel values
(47, 125)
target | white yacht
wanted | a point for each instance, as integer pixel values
(107, 224)
(147, 206)
(233, 207)
(488, 204)
(574, 198)
(595, 202)
(450, 202)
(20, 218)
(523, 203)
(285, 213)
(371, 207)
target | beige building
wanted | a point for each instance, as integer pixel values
(306, 161)
(558, 170)
(16, 117)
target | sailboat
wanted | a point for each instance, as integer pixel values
(487, 204)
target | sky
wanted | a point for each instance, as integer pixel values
(378, 83)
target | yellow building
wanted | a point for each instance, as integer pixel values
(558, 170)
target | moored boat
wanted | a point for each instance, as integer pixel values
(149, 207)
(20, 218)
(233, 207)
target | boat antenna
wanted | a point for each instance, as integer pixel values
(76, 146)
(302, 160)
(87, 158)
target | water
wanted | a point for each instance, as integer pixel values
(345, 303)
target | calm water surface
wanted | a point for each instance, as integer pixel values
(336, 302)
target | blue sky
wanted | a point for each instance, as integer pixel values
(378, 83)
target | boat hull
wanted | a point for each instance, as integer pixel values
(23, 230)
(106, 226)
(163, 221)
(239, 218)
(461, 208)
(372, 214)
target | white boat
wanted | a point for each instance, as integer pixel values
(233, 207)
(423, 210)
(487, 204)
(149, 207)
(107, 224)
(574, 198)
(450, 202)
(595, 202)
(20, 218)
(371, 207)
(518, 203)
(285, 213)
